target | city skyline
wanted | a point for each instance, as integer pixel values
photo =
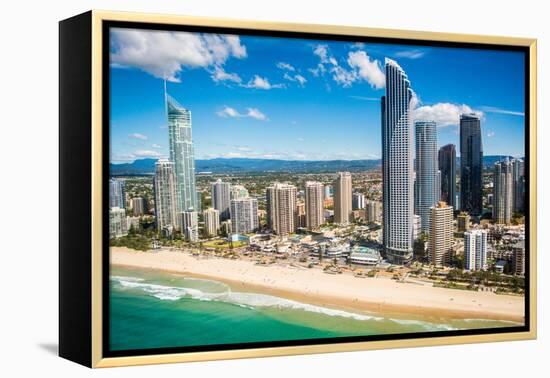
(270, 89)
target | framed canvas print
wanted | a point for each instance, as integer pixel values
(236, 189)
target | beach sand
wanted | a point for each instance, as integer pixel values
(380, 295)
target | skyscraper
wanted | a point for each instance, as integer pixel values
(426, 193)
(447, 166)
(358, 201)
(117, 196)
(342, 198)
(165, 195)
(315, 216)
(244, 215)
(373, 211)
(441, 234)
(211, 221)
(118, 225)
(518, 258)
(471, 164)
(182, 154)
(502, 192)
(475, 250)
(281, 208)
(189, 225)
(518, 185)
(397, 165)
(139, 206)
(221, 197)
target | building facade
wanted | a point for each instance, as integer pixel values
(342, 198)
(211, 221)
(502, 193)
(139, 206)
(358, 201)
(189, 225)
(440, 242)
(118, 225)
(221, 197)
(117, 196)
(426, 162)
(463, 222)
(244, 215)
(475, 250)
(447, 167)
(238, 191)
(518, 185)
(397, 165)
(182, 153)
(164, 185)
(314, 211)
(471, 164)
(281, 208)
(373, 211)
(518, 258)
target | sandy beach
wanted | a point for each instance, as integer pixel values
(381, 295)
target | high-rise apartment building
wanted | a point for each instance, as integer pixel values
(117, 222)
(427, 191)
(518, 258)
(502, 193)
(314, 211)
(463, 222)
(447, 167)
(139, 206)
(281, 208)
(117, 197)
(373, 211)
(221, 197)
(397, 165)
(189, 225)
(164, 185)
(342, 198)
(358, 201)
(475, 250)
(518, 185)
(244, 215)
(441, 234)
(182, 154)
(238, 191)
(211, 221)
(471, 164)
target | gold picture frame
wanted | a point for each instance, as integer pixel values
(91, 25)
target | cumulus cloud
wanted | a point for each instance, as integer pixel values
(443, 113)
(359, 66)
(229, 112)
(259, 82)
(368, 69)
(165, 54)
(137, 136)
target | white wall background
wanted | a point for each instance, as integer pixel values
(29, 189)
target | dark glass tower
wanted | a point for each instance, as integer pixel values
(447, 166)
(471, 164)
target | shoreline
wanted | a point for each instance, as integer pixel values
(360, 295)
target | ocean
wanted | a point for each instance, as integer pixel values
(152, 309)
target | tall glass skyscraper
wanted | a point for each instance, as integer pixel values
(503, 192)
(447, 166)
(182, 154)
(427, 191)
(397, 165)
(471, 164)
(116, 193)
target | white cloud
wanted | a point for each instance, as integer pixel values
(492, 109)
(295, 78)
(261, 83)
(146, 154)
(443, 113)
(165, 54)
(285, 66)
(358, 45)
(490, 134)
(360, 67)
(137, 136)
(410, 54)
(219, 74)
(367, 68)
(154, 145)
(229, 112)
(363, 98)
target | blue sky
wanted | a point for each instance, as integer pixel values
(265, 97)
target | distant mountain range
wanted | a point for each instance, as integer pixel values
(233, 165)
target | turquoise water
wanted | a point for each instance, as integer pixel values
(151, 309)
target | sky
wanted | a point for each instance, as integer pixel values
(300, 99)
